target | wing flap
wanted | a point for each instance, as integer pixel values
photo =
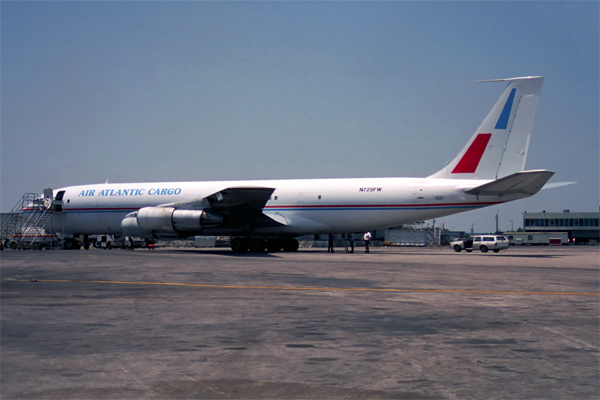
(523, 182)
(278, 218)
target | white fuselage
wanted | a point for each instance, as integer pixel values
(306, 206)
(489, 167)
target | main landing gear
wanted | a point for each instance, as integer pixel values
(259, 245)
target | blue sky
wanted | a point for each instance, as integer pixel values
(153, 91)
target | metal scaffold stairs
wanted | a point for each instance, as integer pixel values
(26, 222)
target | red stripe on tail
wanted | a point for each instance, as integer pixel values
(469, 162)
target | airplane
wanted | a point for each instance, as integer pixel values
(270, 214)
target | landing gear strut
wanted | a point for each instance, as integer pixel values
(274, 245)
(290, 244)
(257, 245)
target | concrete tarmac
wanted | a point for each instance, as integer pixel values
(398, 323)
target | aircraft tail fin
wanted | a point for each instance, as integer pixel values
(499, 146)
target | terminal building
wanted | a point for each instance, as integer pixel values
(582, 227)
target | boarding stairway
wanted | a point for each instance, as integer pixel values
(24, 227)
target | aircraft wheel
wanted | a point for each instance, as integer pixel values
(290, 245)
(13, 245)
(239, 245)
(97, 244)
(256, 245)
(273, 245)
(69, 244)
(457, 248)
(483, 249)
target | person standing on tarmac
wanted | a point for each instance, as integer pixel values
(367, 239)
(351, 240)
(330, 247)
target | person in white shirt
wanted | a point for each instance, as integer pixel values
(367, 239)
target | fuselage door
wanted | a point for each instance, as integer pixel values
(58, 202)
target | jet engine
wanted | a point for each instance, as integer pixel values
(148, 220)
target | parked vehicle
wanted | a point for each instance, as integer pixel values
(538, 238)
(481, 242)
(113, 241)
(32, 238)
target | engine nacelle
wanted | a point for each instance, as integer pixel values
(130, 227)
(173, 220)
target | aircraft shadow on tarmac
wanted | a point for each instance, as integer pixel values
(229, 253)
(527, 255)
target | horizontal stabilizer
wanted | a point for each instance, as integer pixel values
(557, 184)
(525, 182)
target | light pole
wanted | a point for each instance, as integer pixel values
(497, 212)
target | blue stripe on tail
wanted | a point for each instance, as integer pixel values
(505, 115)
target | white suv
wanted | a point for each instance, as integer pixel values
(481, 242)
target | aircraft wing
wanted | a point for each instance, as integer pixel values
(233, 198)
(240, 198)
(242, 204)
(523, 182)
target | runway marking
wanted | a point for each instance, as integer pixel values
(321, 289)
